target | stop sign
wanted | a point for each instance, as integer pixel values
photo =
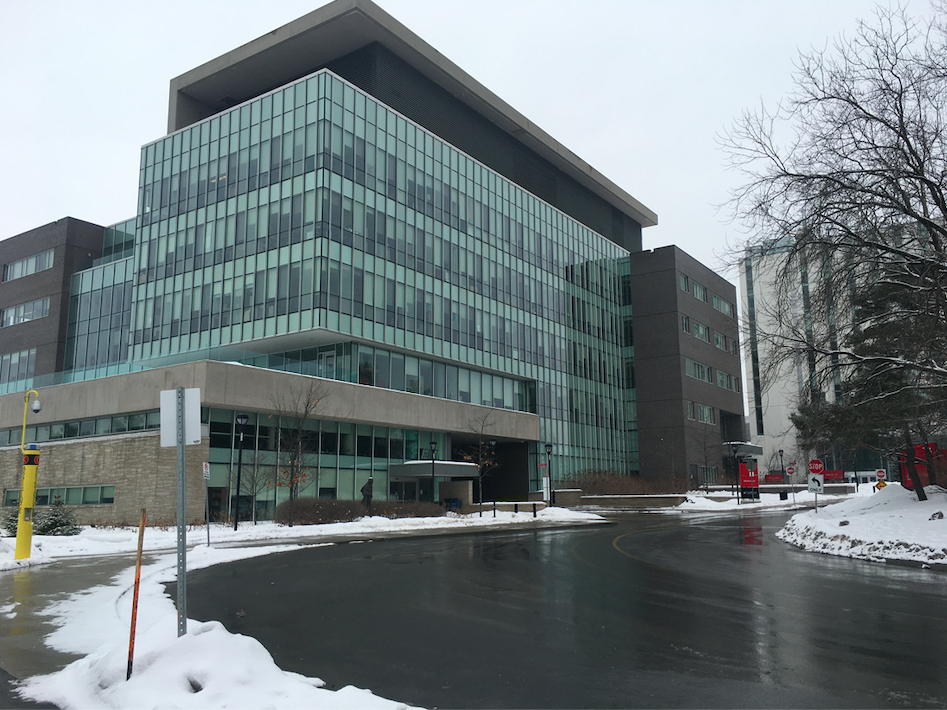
(816, 466)
(790, 470)
(880, 475)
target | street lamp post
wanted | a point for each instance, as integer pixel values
(24, 526)
(242, 420)
(734, 445)
(552, 496)
(493, 463)
(433, 450)
(792, 486)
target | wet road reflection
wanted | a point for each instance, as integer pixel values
(652, 611)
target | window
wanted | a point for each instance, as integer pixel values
(698, 370)
(73, 495)
(701, 332)
(29, 265)
(684, 281)
(723, 305)
(728, 382)
(24, 312)
(720, 340)
(705, 414)
(685, 324)
(700, 292)
(17, 366)
(700, 412)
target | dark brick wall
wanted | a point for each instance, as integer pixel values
(76, 244)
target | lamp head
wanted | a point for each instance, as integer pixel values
(780, 453)
(36, 406)
(548, 448)
(433, 446)
(242, 419)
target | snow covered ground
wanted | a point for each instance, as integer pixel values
(891, 524)
(208, 667)
(212, 668)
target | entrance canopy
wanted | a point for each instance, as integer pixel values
(442, 469)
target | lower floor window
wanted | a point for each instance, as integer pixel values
(70, 495)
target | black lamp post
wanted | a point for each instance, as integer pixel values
(242, 420)
(433, 449)
(792, 485)
(734, 445)
(493, 463)
(552, 496)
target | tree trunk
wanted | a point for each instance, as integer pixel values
(912, 469)
(929, 458)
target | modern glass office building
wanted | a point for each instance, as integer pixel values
(336, 199)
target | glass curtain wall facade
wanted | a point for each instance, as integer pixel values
(317, 207)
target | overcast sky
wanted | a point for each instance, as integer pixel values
(640, 89)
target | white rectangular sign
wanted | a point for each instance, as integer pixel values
(816, 483)
(169, 417)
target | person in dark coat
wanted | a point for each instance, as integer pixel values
(367, 494)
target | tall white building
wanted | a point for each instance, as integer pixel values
(772, 392)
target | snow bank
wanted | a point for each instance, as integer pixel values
(890, 524)
(206, 668)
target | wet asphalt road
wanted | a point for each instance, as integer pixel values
(652, 611)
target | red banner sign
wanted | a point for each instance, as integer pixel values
(748, 477)
(836, 475)
(773, 478)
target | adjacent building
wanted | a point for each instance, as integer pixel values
(339, 210)
(773, 304)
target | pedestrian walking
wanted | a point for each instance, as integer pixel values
(367, 494)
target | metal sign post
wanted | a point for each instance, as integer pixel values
(182, 517)
(207, 499)
(816, 485)
(181, 426)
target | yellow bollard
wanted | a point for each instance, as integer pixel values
(24, 526)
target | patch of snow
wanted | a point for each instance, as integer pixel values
(890, 524)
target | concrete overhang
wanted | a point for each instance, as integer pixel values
(235, 386)
(339, 28)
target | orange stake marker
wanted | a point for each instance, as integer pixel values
(131, 637)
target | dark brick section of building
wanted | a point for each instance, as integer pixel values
(668, 439)
(75, 244)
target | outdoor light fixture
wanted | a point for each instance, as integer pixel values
(792, 486)
(433, 449)
(552, 498)
(242, 420)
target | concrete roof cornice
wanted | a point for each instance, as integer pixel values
(339, 28)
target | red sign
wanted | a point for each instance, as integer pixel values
(773, 478)
(816, 466)
(837, 475)
(748, 477)
(790, 470)
(880, 475)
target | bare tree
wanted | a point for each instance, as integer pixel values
(298, 444)
(483, 452)
(706, 440)
(257, 478)
(845, 192)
